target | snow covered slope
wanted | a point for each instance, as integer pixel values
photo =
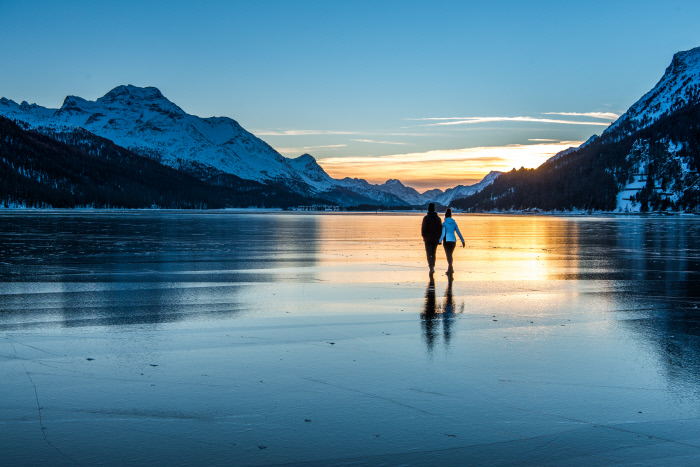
(410, 195)
(661, 176)
(312, 173)
(462, 191)
(144, 121)
(679, 86)
(364, 188)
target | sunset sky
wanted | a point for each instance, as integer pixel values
(434, 93)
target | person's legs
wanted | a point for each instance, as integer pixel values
(449, 249)
(430, 250)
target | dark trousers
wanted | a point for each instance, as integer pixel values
(449, 249)
(430, 249)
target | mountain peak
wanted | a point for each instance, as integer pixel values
(305, 158)
(678, 87)
(394, 182)
(122, 92)
(73, 103)
(684, 59)
(311, 172)
(137, 99)
(490, 177)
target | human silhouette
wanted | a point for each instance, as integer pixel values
(429, 317)
(449, 227)
(434, 315)
(448, 312)
(431, 230)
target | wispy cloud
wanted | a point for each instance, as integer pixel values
(603, 115)
(377, 142)
(542, 139)
(447, 121)
(339, 132)
(301, 132)
(443, 168)
(405, 134)
(307, 148)
(437, 118)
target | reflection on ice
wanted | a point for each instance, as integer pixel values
(197, 338)
(438, 317)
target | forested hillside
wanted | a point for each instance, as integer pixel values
(79, 169)
(652, 169)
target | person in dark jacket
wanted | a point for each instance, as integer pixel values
(431, 230)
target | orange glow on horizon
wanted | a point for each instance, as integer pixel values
(443, 168)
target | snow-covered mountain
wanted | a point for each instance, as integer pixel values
(391, 192)
(647, 160)
(391, 187)
(312, 173)
(408, 194)
(340, 190)
(678, 87)
(147, 123)
(144, 121)
(462, 191)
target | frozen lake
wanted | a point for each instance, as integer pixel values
(254, 339)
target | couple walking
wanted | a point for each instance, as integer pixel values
(435, 231)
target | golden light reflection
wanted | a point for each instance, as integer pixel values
(389, 248)
(443, 168)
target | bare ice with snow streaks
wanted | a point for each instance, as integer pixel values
(257, 339)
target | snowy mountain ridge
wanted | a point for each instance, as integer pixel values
(462, 191)
(393, 187)
(677, 88)
(648, 160)
(144, 121)
(147, 123)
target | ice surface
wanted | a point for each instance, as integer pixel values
(255, 339)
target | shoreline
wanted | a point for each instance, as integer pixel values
(378, 212)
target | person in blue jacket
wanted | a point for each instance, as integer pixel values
(449, 227)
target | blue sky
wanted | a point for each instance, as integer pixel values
(353, 81)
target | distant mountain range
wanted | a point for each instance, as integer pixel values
(647, 160)
(144, 122)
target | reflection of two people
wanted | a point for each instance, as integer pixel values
(435, 316)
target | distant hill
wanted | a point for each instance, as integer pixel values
(645, 161)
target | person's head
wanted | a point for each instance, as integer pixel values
(431, 207)
(448, 213)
